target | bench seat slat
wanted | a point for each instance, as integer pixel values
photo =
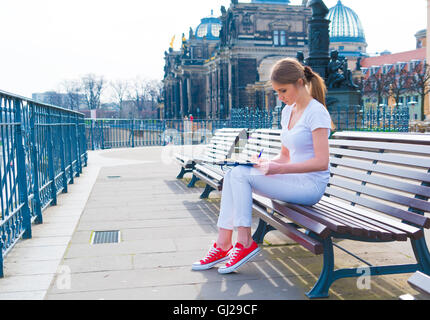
(385, 195)
(329, 222)
(210, 171)
(420, 282)
(385, 157)
(395, 212)
(207, 179)
(292, 215)
(307, 242)
(369, 230)
(356, 228)
(413, 232)
(396, 234)
(183, 161)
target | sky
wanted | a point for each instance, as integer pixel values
(45, 42)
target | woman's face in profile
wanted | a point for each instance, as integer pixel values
(287, 93)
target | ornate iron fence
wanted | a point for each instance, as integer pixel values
(121, 133)
(42, 149)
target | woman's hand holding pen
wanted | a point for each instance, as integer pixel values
(265, 166)
(268, 167)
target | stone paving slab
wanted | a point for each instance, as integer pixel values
(32, 264)
(164, 228)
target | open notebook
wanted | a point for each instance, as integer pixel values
(231, 162)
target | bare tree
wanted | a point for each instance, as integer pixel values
(92, 86)
(120, 92)
(73, 89)
(420, 83)
(378, 84)
(398, 83)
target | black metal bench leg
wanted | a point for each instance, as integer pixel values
(262, 229)
(327, 277)
(181, 174)
(193, 182)
(207, 192)
(422, 254)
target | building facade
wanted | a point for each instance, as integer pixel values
(427, 107)
(393, 85)
(226, 61)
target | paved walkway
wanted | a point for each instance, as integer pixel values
(164, 228)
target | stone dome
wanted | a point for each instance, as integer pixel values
(345, 25)
(209, 27)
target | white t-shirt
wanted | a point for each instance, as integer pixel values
(299, 140)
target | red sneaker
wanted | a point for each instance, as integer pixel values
(214, 256)
(239, 256)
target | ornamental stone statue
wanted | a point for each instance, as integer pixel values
(319, 9)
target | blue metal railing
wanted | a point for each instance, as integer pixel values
(42, 149)
(122, 133)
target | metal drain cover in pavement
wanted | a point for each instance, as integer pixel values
(101, 237)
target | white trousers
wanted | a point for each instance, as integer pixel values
(240, 182)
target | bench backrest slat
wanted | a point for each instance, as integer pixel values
(222, 144)
(389, 174)
(392, 171)
(382, 181)
(385, 157)
(409, 138)
(381, 194)
(267, 139)
(387, 146)
(378, 206)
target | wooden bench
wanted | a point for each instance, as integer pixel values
(213, 175)
(221, 146)
(378, 192)
(420, 282)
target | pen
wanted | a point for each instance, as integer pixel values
(261, 152)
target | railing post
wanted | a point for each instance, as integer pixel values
(69, 147)
(77, 147)
(132, 133)
(22, 178)
(103, 134)
(35, 160)
(62, 153)
(82, 129)
(51, 171)
(92, 134)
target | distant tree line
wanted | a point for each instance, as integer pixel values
(407, 80)
(137, 98)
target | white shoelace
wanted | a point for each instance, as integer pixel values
(212, 253)
(233, 254)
